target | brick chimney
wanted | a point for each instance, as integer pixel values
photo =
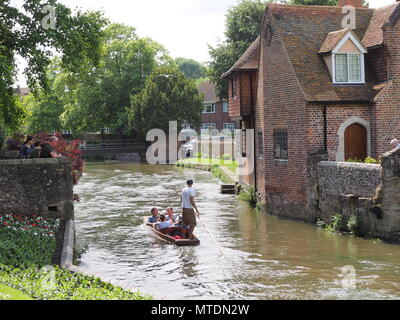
(354, 3)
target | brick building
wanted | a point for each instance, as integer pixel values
(308, 84)
(216, 111)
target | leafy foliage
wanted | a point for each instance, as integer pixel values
(15, 141)
(249, 195)
(168, 96)
(336, 225)
(68, 286)
(98, 98)
(370, 160)
(191, 68)
(2, 137)
(353, 224)
(76, 36)
(26, 241)
(241, 29)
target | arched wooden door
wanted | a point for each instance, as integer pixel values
(355, 142)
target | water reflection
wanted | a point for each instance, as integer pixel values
(265, 257)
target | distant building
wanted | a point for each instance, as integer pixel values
(216, 111)
(22, 92)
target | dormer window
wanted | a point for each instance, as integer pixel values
(344, 54)
(349, 68)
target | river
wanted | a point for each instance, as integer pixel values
(265, 257)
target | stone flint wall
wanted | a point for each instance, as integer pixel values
(37, 187)
(342, 178)
(369, 192)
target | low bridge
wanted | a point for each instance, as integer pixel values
(109, 147)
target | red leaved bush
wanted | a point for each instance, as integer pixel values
(69, 149)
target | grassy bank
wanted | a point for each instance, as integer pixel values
(27, 246)
(7, 293)
(231, 165)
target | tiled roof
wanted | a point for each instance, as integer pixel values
(303, 29)
(381, 16)
(248, 61)
(208, 89)
(332, 40)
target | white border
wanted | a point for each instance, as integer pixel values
(352, 120)
(362, 50)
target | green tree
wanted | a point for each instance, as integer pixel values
(75, 36)
(241, 29)
(45, 107)
(168, 96)
(191, 68)
(103, 93)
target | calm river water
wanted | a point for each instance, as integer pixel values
(265, 257)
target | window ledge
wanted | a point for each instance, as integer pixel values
(281, 160)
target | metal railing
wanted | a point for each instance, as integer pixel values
(90, 145)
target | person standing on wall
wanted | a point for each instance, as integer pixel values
(189, 208)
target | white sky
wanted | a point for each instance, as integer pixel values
(184, 27)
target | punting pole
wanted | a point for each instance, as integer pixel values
(205, 227)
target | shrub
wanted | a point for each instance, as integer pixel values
(226, 156)
(67, 286)
(353, 224)
(336, 224)
(249, 195)
(15, 142)
(354, 160)
(22, 248)
(2, 137)
(370, 160)
(27, 240)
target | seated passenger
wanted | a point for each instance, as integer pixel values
(170, 215)
(154, 216)
(48, 148)
(36, 150)
(26, 148)
(162, 224)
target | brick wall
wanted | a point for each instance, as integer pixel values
(377, 60)
(336, 115)
(283, 106)
(247, 92)
(388, 102)
(234, 102)
(219, 117)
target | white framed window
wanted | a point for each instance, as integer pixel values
(187, 127)
(208, 126)
(348, 68)
(234, 87)
(229, 125)
(225, 106)
(209, 107)
(348, 65)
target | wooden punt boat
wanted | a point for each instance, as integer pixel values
(167, 238)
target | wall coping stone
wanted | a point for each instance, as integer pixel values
(354, 165)
(61, 160)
